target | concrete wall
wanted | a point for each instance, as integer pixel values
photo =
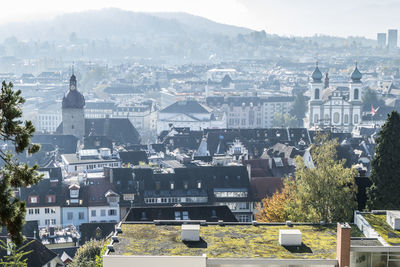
(147, 261)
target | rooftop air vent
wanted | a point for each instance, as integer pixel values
(393, 219)
(190, 232)
(290, 237)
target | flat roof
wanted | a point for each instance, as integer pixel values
(228, 241)
(378, 222)
(73, 159)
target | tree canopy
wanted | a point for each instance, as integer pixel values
(325, 192)
(284, 120)
(273, 208)
(14, 174)
(385, 173)
(299, 107)
(370, 98)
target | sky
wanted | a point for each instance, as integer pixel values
(284, 17)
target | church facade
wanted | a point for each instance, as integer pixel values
(339, 109)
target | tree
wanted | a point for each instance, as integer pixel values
(14, 174)
(16, 258)
(274, 208)
(299, 107)
(325, 192)
(385, 173)
(284, 120)
(370, 98)
(89, 253)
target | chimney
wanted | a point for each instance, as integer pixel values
(343, 244)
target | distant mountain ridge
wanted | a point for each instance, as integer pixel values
(113, 23)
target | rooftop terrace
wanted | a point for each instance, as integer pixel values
(229, 241)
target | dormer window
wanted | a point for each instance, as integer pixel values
(185, 184)
(74, 193)
(199, 184)
(172, 185)
(33, 199)
(50, 198)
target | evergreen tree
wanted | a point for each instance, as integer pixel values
(14, 174)
(299, 107)
(385, 173)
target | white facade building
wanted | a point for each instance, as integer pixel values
(188, 113)
(338, 109)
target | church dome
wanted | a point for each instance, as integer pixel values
(73, 99)
(316, 75)
(356, 75)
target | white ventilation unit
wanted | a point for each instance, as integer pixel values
(393, 219)
(290, 237)
(190, 232)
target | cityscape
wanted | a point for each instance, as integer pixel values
(166, 136)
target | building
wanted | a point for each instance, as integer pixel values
(187, 113)
(251, 112)
(74, 208)
(73, 115)
(336, 108)
(201, 244)
(48, 121)
(89, 160)
(381, 38)
(392, 39)
(103, 203)
(43, 201)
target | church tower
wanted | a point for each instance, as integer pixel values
(316, 87)
(316, 84)
(355, 85)
(73, 116)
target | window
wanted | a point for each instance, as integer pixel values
(47, 210)
(72, 126)
(198, 184)
(172, 185)
(50, 198)
(185, 184)
(112, 212)
(356, 118)
(356, 94)
(53, 221)
(37, 211)
(74, 193)
(33, 199)
(185, 215)
(81, 215)
(316, 118)
(336, 117)
(243, 218)
(316, 94)
(47, 222)
(93, 212)
(70, 216)
(30, 211)
(346, 118)
(102, 213)
(178, 215)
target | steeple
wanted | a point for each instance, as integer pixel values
(72, 80)
(356, 75)
(326, 81)
(316, 75)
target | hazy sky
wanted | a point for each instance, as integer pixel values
(284, 17)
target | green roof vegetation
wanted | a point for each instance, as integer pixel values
(234, 241)
(378, 222)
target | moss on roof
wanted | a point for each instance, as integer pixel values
(249, 241)
(378, 222)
